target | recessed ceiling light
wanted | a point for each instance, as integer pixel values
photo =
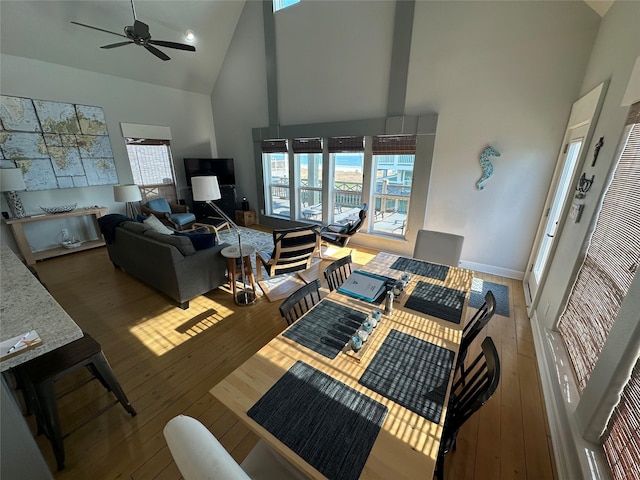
(190, 36)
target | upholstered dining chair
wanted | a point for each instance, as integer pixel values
(470, 392)
(474, 327)
(172, 215)
(293, 250)
(300, 301)
(438, 247)
(199, 455)
(338, 272)
(340, 234)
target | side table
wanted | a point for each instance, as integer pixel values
(246, 217)
(232, 254)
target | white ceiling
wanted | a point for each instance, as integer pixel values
(42, 30)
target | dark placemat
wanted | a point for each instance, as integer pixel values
(438, 301)
(479, 289)
(412, 372)
(329, 424)
(424, 269)
(326, 328)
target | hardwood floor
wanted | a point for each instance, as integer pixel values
(167, 359)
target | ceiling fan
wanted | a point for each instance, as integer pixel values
(138, 33)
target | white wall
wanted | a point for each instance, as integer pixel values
(187, 114)
(500, 73)
(239, 99)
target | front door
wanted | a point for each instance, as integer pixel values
(583, 114)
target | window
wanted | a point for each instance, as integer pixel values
(152, 168)
(307, 155)
(275, 165)
(393, 158)
(280, 4)
(346, 155)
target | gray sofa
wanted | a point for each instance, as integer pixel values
(169, 263)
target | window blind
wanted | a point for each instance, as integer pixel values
(622, 439)
(274, 146)
(609, 265)
(307, 145)
(394, 145)
(346, 144)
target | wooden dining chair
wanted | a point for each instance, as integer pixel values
(470, 392)
(474, 327)
(300, 301)
(338, 272)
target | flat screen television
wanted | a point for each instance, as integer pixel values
(220, 167)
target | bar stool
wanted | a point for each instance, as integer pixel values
(40, 374)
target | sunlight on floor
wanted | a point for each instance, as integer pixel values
(170, 329)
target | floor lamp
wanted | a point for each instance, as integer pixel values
(206, 189)
(11, 182)
(131, 195)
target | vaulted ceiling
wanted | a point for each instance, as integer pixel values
(42, 30)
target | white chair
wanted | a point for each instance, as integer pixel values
(438, 247)
(200, 456)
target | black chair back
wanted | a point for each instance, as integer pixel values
(300, 302)
(338, 272)
(475, 326)
(470, 392)
(340, 235)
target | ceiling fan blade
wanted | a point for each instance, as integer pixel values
(99, 29)
(179, 46)
(158, 53)
(119, 44)
(140, 29)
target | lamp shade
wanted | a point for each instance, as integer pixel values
(126, 193)
(11, 180)
(205, 189)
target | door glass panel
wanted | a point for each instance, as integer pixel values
(310, 185)
(276, 178)
(347, 185)
(556, 209)
(392, 191)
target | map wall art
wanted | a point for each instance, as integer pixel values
(56, 145)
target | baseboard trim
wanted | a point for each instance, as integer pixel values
(574, 456)
(503, 272)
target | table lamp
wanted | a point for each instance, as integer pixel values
(131, 195)
(11, 182)
(206, 189)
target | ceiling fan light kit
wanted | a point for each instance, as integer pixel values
(138, 34)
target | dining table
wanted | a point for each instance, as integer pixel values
(377, 413)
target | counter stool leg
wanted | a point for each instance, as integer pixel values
(46, 402)
(104, 370)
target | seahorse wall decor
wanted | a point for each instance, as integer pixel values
(487, 166)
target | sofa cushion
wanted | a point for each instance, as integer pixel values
(183, 244)
(200, 241)
(135, 227)
(157, 225)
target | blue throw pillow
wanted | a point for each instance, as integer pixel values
(201, 241)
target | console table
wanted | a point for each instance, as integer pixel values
(17, 227)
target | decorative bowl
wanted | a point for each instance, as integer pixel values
(60, 209)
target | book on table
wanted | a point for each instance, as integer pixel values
(19, 344)
(363, 285)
